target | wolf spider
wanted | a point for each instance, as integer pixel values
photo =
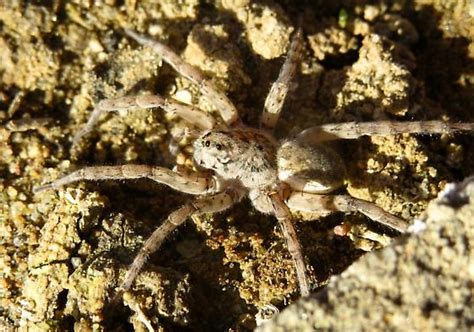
(233, 160)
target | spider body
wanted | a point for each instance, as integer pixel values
(260, 164)
(298, 174)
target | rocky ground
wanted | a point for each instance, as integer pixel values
(64, 252)
(423, 282)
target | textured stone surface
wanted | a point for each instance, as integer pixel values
(423, 282)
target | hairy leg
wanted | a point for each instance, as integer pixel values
(344, 203)
(352, 130)
(200, 205)
(276, 97)
(285, 220)
(189, 113)
(186, 182)
(223, 104)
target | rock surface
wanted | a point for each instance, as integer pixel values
(423, 282)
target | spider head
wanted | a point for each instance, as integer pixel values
(215, 150)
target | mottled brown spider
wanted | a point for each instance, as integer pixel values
(233, 160)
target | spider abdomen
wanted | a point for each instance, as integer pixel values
(313, 168)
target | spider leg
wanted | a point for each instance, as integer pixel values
(276, 97)
(26, 124)
(186, 182)
(314, 202)
(200, 205)
(223, 104)
(189, 113)
(352, 130)
(283, 215)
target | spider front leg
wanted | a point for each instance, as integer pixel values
(189, 113)
(276, 97)
(223, 104)
(301, 201)
(186, 182)
(283, 215)
(200, 205)
(353, 130)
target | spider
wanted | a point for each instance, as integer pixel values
(233, 160)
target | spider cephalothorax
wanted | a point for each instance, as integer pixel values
(243, 154)
(298, 174)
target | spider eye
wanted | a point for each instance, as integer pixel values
(218, 147)
(207, 143)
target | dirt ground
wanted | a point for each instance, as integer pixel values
(63, 252)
